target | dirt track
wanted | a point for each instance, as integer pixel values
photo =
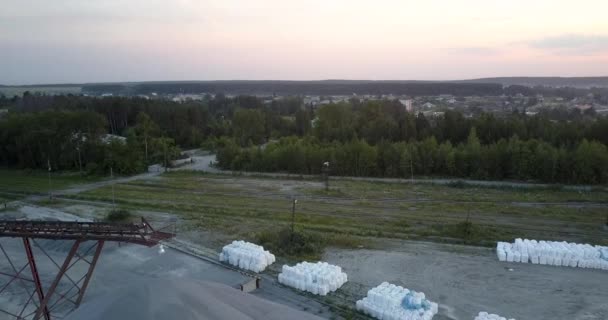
(466, 280)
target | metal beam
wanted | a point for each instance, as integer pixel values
(62, 271)
(45, 302)
(90, 272)
(32, 262)
(139, 233)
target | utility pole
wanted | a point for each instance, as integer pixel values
(411, 170)
(293, 217)
(112, 178)
(79, 159)
(325, 170)
(48, 161)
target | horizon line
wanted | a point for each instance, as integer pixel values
(287, 80)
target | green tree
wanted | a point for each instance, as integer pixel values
(334, 122)
(146, 129)
(249, 124)
(302, 119)
(165, 150)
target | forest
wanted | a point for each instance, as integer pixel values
(374, 138)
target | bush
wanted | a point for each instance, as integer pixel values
(457, 184)
(118, 215)
(91, 168)
(471, 233)
(300, 244)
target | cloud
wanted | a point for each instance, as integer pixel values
(571, 44)
(473, 51)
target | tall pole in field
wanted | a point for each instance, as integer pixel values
(112, 178)
(325, 170)
(293, 217)
(412, 170)
(48, 162)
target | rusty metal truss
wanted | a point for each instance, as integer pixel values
(88, 241)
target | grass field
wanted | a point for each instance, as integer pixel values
(35, 182)
(355, 210)
(12, 91)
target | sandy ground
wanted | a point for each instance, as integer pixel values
(122, 267)
(466, 280)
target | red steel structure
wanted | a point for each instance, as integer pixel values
(89, 237)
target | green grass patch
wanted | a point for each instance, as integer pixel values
(37, 181)
(356, 209)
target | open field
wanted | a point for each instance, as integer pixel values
(368, 227)
(355, 210)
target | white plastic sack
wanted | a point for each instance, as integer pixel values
(246, 255)
(390, 302)
(489, 316)
(317, 278)
(553, 253)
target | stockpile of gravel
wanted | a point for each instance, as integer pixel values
(161, 299)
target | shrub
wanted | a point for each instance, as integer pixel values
(457, 184)
(298, 244)
(118, 215)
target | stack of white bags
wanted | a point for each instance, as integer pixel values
(490, 316)
(390, 302)
(246, 255)
(554, 253)
(316, 278)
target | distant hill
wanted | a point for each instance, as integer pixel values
(481, 87)
(577, 82)
(280, 87)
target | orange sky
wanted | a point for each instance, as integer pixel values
(110, 40)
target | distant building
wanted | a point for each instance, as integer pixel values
(583, 107)
(408, 104)
(428, 105)
(540, 98)
(108, 138)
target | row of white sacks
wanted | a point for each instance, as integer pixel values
(391, 302)
(489, 316)
(553, 253)
(317, 278)
(247, 255)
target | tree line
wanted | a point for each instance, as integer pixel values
(78, 140)
(513, 158)
(68, 132)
